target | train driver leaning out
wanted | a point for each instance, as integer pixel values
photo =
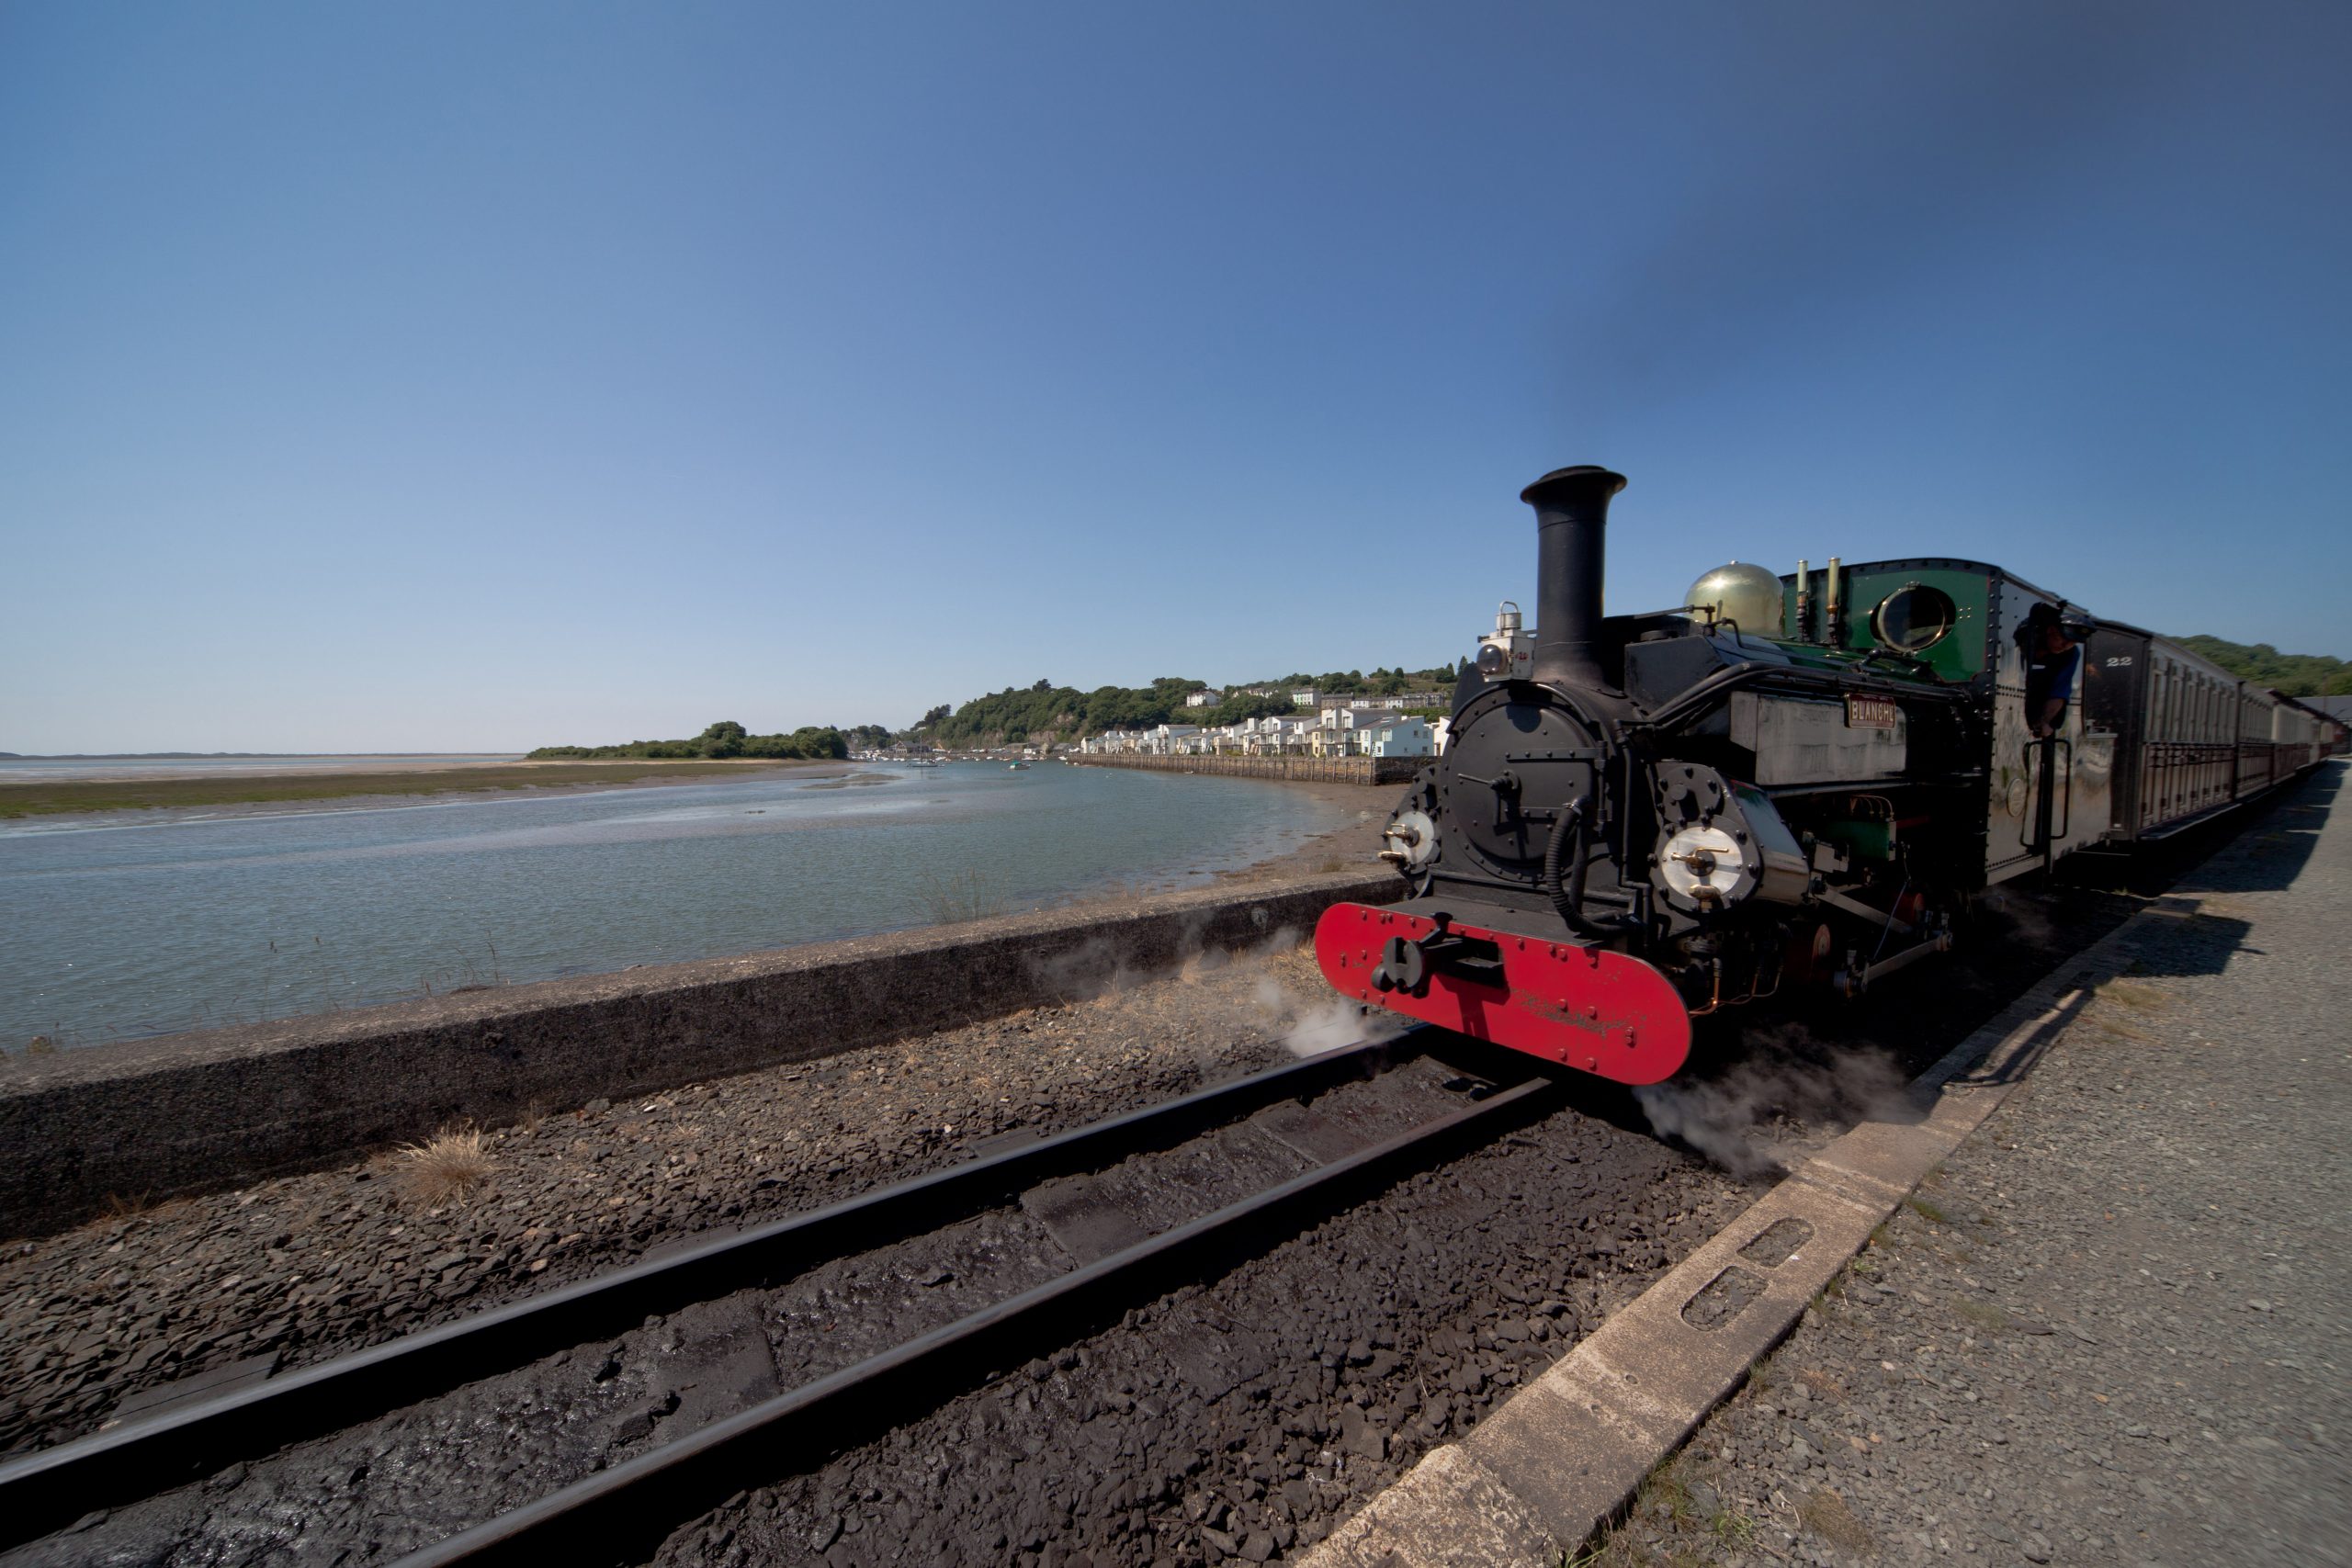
(2052, 657)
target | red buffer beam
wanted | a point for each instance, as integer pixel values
(1589, 1007)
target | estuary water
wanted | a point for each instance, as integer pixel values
(119, 924)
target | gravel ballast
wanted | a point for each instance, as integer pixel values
(382, 1488)
(292, 1271)
(1243, 1418)
(2115, 1328)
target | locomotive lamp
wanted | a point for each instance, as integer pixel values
(1509, 654)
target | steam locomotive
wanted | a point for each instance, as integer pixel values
(1640, 819)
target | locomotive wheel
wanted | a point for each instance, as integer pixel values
(1813, 951)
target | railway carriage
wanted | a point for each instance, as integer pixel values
(1790, 780)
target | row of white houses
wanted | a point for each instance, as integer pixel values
(1331, 732)
(1313, 701)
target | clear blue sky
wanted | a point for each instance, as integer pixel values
(487, 374)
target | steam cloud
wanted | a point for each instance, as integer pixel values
(1727, 1118)
(1322, 1026)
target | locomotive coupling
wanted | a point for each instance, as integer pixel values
(1406, 963)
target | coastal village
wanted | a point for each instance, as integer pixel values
(1350, 726)
(1325, 725)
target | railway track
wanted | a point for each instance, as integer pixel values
(583, 1425)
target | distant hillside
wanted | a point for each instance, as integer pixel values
(1045, 713)
(2297, 674)
(725, 739)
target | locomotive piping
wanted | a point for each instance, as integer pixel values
(1571, 526)
(1569, 900)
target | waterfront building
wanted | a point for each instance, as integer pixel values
(1161, 739)
(1398, 736)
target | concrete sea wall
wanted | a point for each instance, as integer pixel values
(1302, 769)
(188, 1113)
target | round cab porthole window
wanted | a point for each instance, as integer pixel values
(1911, 619)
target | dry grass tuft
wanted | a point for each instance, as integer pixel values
(1821, 1382)
(2133, 994)
(1983, 1315)
(445, 1167)
(1732, 1528)
(1825, 1515)
(961, 896)
(1664, 1495)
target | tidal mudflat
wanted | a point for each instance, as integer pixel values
(266, 784)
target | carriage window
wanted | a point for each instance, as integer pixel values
(1915, 618)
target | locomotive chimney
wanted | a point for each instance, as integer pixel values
(1571, 521)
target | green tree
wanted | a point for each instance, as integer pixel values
(2296, 674)
(1243, 705)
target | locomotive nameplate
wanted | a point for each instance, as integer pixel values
(1872, 713)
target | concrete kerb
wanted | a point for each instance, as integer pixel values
(195, 1112)
(1540, 1477)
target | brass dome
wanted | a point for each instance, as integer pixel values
(1747, 596)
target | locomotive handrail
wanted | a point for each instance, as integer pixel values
(2034, 831)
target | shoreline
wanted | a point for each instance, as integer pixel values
(1341, 848)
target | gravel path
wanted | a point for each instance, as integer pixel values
(2115, 1329)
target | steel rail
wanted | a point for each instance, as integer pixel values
(622, 1515)
(45, 1491)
